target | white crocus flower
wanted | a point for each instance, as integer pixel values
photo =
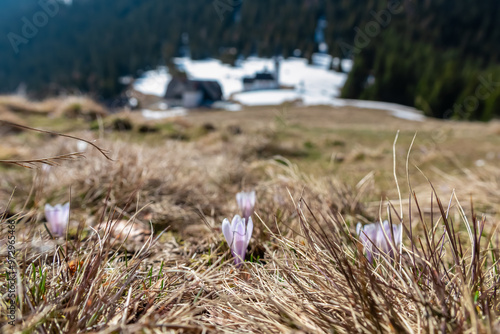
(81, 146)
(380, 235)
(238, 236)
(246, 202)
(58, 218)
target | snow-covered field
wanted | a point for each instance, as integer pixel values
(396, 110)
(311, 84)
(153, 82)
(155, 115)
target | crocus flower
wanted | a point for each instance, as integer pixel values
(373, 238)
(238, 236)
(246, 202)
(58, 217)
(81, 146)
(46, 168)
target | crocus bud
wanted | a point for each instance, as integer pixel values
(81, 146)
(246, 202)
(46, 168)
(238, 236)
(57, 217)
(372, 237)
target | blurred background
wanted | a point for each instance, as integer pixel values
(441, 57)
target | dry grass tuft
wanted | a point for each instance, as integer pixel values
(73, 107)
(11, 118)
(21, 105)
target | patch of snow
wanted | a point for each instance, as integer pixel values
(322, 60)
(156, 115)
(323, 47)
(347, 65)
(408, 115)
(335, 61)
(228, 106)
(153, 82)
(277, 97)
(133, 102)
(126, 80)
(266, 97)
(396, 110)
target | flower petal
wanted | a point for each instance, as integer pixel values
(368, 251)
(51, 216)
(381, 235)
(381, 241)
(240, 248)
(65, 207)
(228, 234)
(238, 226)
(370, 232)
(398, 234)
(246, 203)
(48, 212)
(387, 227)
(251, 198)
(359, 228)
(249, 230)
(240, 198)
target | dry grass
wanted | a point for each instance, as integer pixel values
(72, 106)
(169, 270)
(19, 104)
(75, 107)
(8, 116)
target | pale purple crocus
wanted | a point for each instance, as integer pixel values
(374, 239)
(57, 217)
(238, 236)
(81, 146)
(46, 168)
(246, 202)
